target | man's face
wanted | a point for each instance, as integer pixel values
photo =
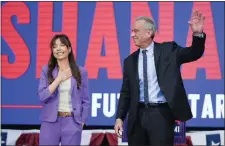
(140, 34)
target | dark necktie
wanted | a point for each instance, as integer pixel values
(145, 76)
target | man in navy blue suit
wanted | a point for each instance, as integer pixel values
(152, 92)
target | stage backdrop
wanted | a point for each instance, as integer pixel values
(100, 35)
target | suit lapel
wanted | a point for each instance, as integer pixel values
(157, 51)
(73, 85)
(135, 65)
(54, 75)
(55, 72)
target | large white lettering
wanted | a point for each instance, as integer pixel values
(106, 102)
(219, 106)
(95, 103)
(211, 106)
(207, 110)
(109, 111)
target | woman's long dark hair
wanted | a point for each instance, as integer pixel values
(52, 63)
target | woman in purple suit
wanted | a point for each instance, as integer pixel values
(63, 92)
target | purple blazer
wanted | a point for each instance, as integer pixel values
(79, 97)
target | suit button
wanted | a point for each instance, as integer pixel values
(74, 108)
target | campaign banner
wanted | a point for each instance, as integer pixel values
(100, 34)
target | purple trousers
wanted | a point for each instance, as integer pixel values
(64, 130)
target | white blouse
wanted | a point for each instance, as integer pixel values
(65, 104)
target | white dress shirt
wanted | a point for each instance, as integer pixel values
(154, 92)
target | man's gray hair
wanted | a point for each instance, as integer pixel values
(150, 24)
